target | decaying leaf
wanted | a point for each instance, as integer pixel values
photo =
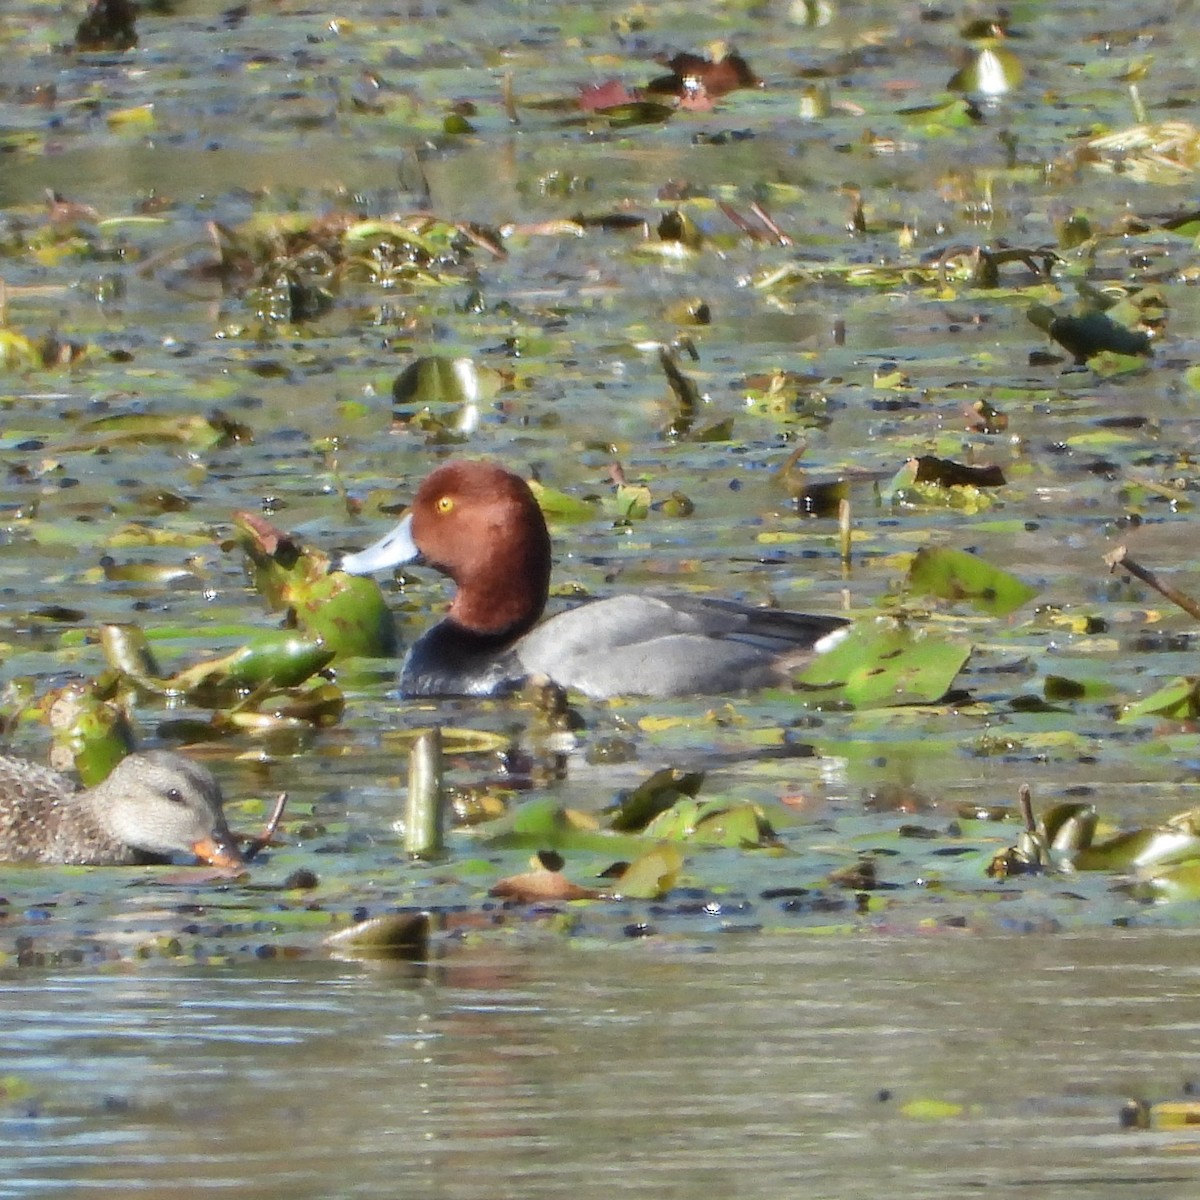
(542, 884)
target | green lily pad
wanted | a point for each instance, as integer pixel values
(1179, 700)
(713, 823)
(882, 664)
(957, 575)
(651, 875)
(543, 824)
(559, 506)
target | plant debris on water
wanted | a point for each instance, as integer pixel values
(840, 309)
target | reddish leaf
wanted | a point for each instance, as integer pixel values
(605, 95)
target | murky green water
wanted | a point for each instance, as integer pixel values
(172, 1036)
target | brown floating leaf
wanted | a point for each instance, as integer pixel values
(541, 884)
(691, 74)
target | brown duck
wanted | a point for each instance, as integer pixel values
(153, 805)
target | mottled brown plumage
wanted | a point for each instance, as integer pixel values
(153, 805)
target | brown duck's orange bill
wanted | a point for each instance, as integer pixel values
(219, 852)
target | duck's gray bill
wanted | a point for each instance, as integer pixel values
(392, 549)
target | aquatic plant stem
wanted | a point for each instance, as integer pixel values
(1120, 558)
(424, 818)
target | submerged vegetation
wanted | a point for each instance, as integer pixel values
(837, 307)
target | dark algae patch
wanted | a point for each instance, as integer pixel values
(843, 309)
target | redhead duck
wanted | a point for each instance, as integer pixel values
(480, 524)
(151, 806)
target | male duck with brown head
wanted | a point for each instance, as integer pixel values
(480, 524)
(150, 807)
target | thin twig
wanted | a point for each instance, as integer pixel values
(765, 217)
(1119, 558)
(255, 844)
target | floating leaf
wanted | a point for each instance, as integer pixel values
(190, 429)
(544, 824)
(127, 650)
(139, 118)
(905, 489)
(1175, 883)
(1179, 700)
(936, 120)
(390, 935)
(544, 883)
(282, 659)
(735, 824)
(632, 502)
(992, 72)
(348, 614)
(1140, 848)
(884, 663)
(956, 575)
(651, 875)
(635, 112)
(90, 731)
(559, 506)
(947, 473)
(636, 809)
(1085, 336)
(932, 1110)
(1058, 687)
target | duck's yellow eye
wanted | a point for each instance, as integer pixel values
(445, 504)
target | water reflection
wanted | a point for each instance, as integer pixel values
(754, 1068)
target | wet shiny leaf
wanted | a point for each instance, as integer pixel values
(880, 664)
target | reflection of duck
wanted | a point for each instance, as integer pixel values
(480, 524)
(153, 805)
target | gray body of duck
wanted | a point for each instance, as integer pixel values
(150, 807)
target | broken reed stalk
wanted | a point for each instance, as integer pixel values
(1025, 799)
(1120, 558)
(425, 813)
(255, 844)
(844, 532)
(509, 99)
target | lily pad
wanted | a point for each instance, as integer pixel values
(957, 575)
(884, 663)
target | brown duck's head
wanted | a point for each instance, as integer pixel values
(479, 523)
